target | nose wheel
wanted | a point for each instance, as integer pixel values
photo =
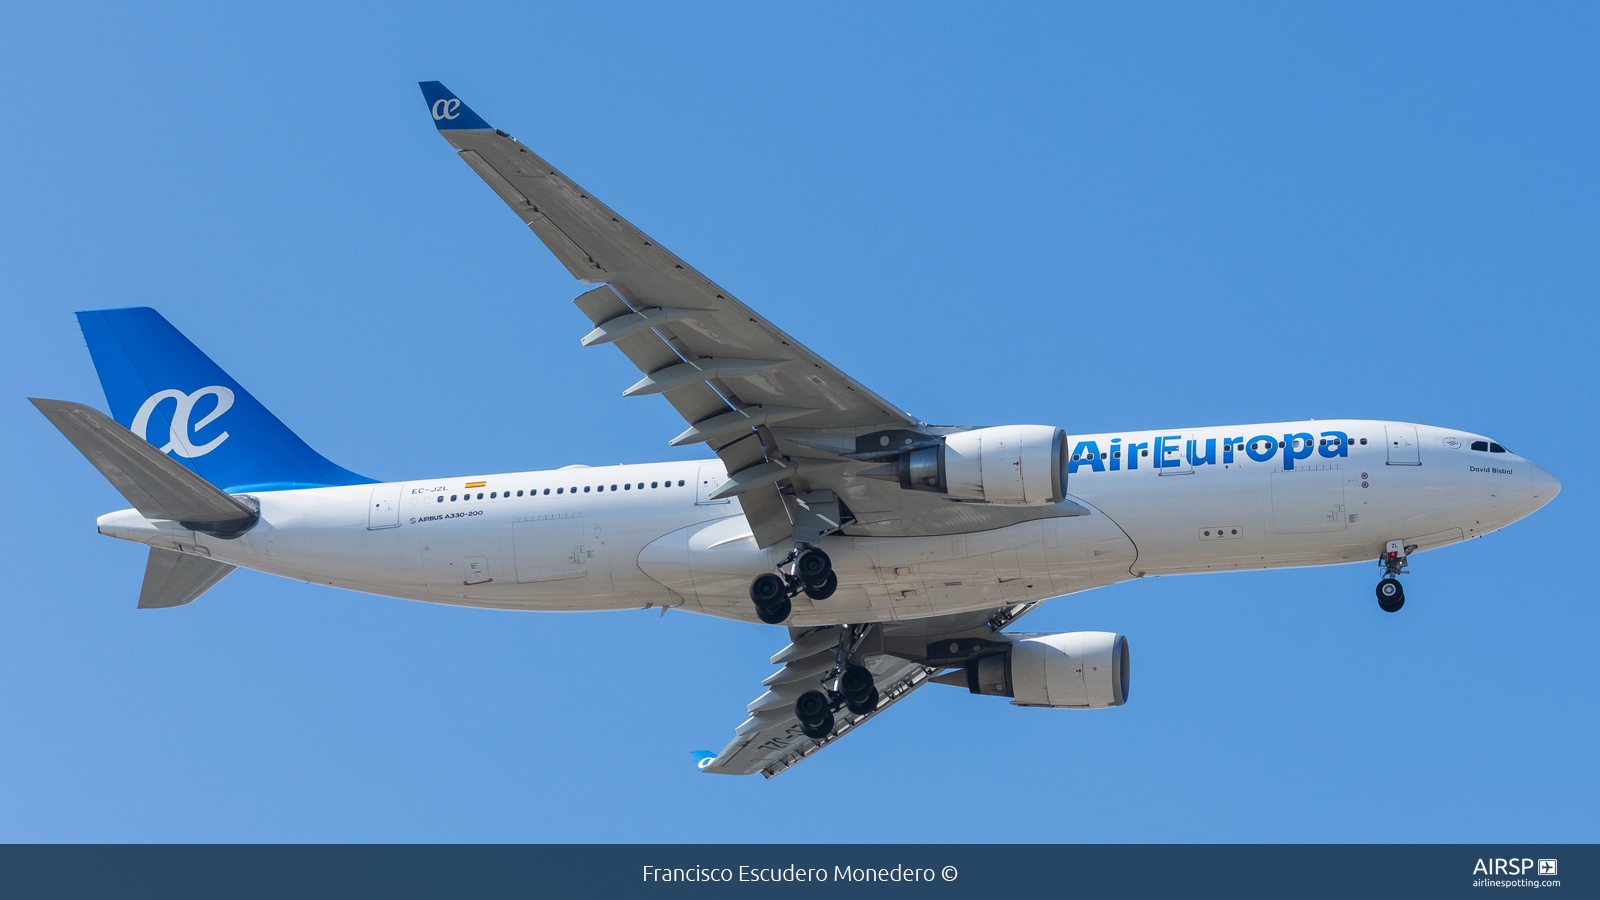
(1391, 596)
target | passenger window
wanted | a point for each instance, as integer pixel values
(627, 487)
(641, 485)
(491, 495)
(1496, 448)
(654, 484)
(559, 490)
(1363, 442)
(452, 498)
(586, 489)
(1481, 446)
(441, 498)
(613, 487)
(1144, 452)
(680, 482)
(547, 492)
(480, 495)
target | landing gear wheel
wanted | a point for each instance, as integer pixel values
(820, 730)
(1391, 596)
(856, 686)
(774, 615)
(824, 590)
(813, 566)
(865, 706)
(771, 597)
(815, 713)
(767, 590)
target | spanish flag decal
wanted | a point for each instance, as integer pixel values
(473, 484)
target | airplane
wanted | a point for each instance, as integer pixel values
(894, 552)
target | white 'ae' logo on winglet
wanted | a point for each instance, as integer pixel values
(446, 109)
(178, 434)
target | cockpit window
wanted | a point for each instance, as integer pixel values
(1496, 448)
(1481, 446)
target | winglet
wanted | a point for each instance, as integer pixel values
(449, 113)
(703, 758)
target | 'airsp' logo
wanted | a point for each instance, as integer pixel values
(446, 109)
(178, 435)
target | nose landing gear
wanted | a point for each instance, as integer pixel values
(809, 570)
(1391, 596)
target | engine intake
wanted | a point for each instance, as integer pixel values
(1014, 465)
(1075, 670)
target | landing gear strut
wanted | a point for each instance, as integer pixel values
(1391, 596)
(809, 570)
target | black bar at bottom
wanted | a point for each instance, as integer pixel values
(674, 870)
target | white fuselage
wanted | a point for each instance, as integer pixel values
(583, 538)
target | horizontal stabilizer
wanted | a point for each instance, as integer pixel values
(173, 579)
(157, 485)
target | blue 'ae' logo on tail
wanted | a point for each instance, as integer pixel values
(703, 758)
(179, 429)
(164, 389)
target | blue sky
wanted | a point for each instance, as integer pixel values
(1102, 219)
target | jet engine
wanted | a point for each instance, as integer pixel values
(1014, 465)
(1076, 670)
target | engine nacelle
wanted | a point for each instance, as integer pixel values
(1075, 670)
(1014, 465)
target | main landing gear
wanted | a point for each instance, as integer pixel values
(1391, 596)
(852, 688)
(809, 570)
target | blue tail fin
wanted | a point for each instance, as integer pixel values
(162, 388)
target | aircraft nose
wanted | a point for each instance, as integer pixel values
(1545, 486)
